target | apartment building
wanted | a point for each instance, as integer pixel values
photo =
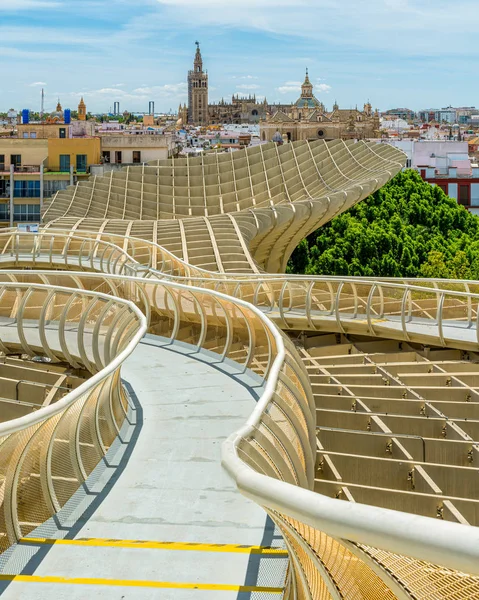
(32, 169)
(136, 147)
(446, 164)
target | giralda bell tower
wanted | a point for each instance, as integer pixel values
(198, 92)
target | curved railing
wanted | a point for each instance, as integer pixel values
(92, 332)
(337, 549)
(65, 250)
(272, 457)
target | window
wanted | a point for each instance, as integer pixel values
(464, 195)
(26, 189)
(64, 162)
(320, 133)
(33, 135)
(2, 162)
(118, 157)
(4, 212)
(136, 156)
(81, 162)
(25, 135)
(26, 212)
(105, 156)
(16, 160)
(62, 132)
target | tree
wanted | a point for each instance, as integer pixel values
(406, 229)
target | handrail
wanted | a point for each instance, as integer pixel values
(13, 241)
(260, 278)
(449, 544)
(272, 456)
(44, 413)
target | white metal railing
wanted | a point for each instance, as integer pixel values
(271, 458)
(91, 331)
(61, 249)
(294, 302)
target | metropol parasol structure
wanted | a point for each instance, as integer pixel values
(363, 444)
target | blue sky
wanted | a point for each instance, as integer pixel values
(414, 53)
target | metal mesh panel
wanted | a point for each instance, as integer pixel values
(32, 494)
(352, 577)
(424, 580)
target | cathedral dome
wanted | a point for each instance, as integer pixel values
(307, 103)
(307, 98)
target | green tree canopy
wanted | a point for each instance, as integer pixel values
(406, 229)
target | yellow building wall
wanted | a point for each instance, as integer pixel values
(42, 130)
(32, 152)
(73, 147)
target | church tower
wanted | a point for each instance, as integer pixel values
(82, 110)
(307, 87)
(198, 92)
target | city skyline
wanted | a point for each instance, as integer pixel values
(133, 57)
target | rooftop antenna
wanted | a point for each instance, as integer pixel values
(43, 104)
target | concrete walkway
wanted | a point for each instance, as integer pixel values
(163, 484)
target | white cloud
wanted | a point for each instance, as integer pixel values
(244, 77)
(142, 91)
(37, 83)
(248, 86)
(16, 5)
(289, 87)
(174, 88)
(167, 89)
(323, 87)
(295, 86)
(403, 26)
(286, 89)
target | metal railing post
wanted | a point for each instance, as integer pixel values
(12, 183)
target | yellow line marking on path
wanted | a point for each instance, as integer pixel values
(146, 544)
(219, 587)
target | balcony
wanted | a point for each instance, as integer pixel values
(50, 170)
(61, 170)
(20, 168)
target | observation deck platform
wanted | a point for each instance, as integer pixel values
(159, 517)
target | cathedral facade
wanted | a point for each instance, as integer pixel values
(240, 110)
(308, 119)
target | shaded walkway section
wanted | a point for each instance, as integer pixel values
(162, 502)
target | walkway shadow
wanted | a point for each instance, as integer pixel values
(25, 559)
(265, 570)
